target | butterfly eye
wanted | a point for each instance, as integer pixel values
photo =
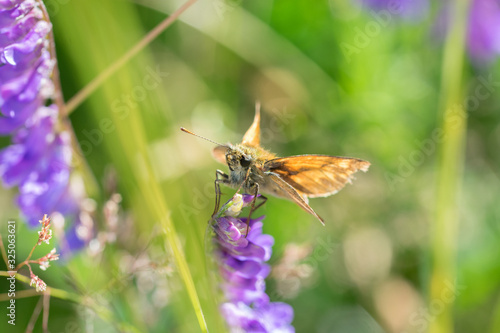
(245, 161)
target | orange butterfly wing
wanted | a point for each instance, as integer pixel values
(219, 153)
(287, 191)
(251, 138)
(316, 175)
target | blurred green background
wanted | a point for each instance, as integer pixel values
(370, 268)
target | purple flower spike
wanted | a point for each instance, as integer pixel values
(39, 158)
(242, 266)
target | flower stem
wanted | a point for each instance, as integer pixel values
(453, 120)
(76, 100)
(34, 316)
(45, 317)
(4, 254)
(27, 260)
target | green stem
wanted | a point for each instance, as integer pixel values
(34, 316)
(4, 254)
(453, 120)
(26, 261)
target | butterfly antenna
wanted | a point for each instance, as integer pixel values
(202, 137)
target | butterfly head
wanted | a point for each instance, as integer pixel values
(237, 160)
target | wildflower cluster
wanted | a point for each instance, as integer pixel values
(38, 160)
(242, 266)
(44, 236)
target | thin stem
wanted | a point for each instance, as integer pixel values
(34, 316)
(76, 100)
(4, 254)
(453, 120)
(46, 305)
(27, 260)
(20, 294)
(31, 253)
(175, 246)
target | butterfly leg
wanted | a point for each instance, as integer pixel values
(264, 199)
(225, 180)
(253, 207)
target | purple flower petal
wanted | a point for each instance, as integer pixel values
(483, 34)
(27, 154)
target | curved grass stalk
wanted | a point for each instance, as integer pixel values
(129, 129)
(453, 120)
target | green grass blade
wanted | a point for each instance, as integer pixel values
(450, 165)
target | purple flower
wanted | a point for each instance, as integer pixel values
(412, 10)
(483, 33)
(25, 62)
(483, 29)
(483, 26)
(242, 265)
(38, 160)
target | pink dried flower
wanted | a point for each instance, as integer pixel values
(38, 283)
(45, 222)
(45, 234)
(44, 261)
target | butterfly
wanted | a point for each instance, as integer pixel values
(297, 178)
